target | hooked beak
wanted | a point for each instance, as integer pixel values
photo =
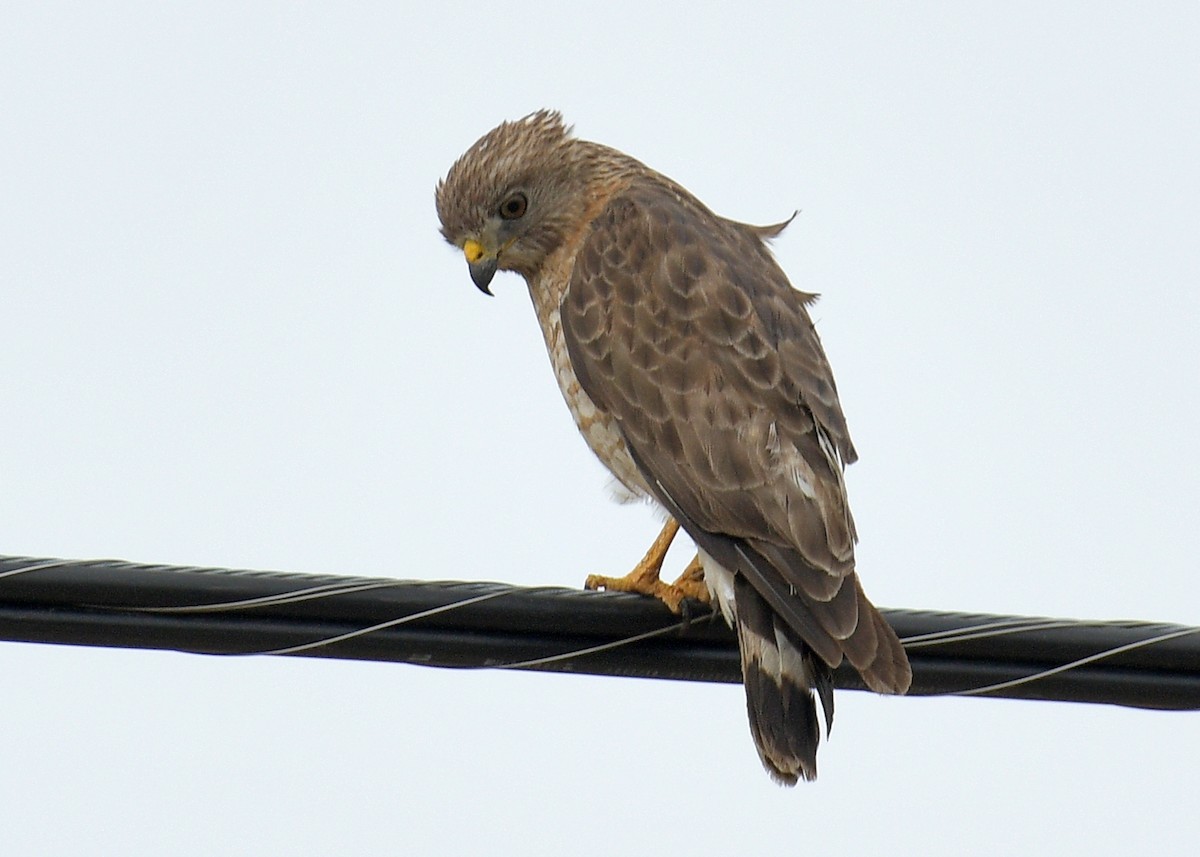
(481, 264)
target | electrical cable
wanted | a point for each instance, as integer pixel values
(497, 626)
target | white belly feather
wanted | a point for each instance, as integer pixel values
(598, 427)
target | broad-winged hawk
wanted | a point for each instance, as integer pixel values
(694, 372)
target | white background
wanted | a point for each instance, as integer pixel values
(231, 335)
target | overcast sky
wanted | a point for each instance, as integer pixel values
(232, 336)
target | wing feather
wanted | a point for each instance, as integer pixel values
(683, 327)
(707, 358)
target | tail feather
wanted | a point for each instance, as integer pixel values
(791, 642)
(784, 661)
(780, 672)
(871, 645)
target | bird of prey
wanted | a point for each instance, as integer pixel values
(693, 370)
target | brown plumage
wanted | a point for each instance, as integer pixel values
(694, 372)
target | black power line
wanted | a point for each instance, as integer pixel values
(491, 625)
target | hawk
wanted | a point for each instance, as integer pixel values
(694, 373)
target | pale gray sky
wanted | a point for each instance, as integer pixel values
(233, 336)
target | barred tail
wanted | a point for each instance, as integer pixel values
(780, 673)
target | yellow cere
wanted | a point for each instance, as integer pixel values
(473, 250)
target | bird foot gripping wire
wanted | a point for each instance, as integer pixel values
(645, 580)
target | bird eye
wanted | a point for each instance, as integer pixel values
(514, 207)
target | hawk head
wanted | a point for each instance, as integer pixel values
(509, 200)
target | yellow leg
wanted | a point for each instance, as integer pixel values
(644, 579)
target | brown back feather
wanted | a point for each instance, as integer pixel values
(682, 325)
